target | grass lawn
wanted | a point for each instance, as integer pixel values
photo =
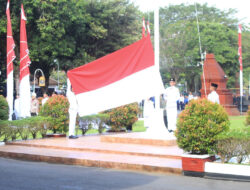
(237, 122)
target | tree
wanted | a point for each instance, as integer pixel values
(72, 32)
(180, 55)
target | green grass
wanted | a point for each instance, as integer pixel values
(237, 122)
(139, 126)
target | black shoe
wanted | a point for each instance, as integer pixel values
(170, 131)
(73, 137)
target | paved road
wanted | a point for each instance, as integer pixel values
(22, 175)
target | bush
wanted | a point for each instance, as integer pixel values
(234, 143)
(123, 116)
(99, 120)
(57, 107)
(248, 116)
(4, 132)
(4, 108)
(11, 130)
(199, 125)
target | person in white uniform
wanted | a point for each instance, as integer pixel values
(213, 96)
(148, 112)
(171, 96)
(17, 106)
(72, 111)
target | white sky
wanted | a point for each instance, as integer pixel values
(242, 6)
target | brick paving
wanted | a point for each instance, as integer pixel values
(102, 151)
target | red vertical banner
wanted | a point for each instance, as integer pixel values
(10, 58)
(240, 60)
(241, 67)
(24, 51)
(240, 49)
(10, 42)
(25, 97)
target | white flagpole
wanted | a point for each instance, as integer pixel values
(241, 67)
(157, 47)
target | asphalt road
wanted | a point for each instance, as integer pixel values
(22, 175)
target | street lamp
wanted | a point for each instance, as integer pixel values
(57, 63)
(35, 78)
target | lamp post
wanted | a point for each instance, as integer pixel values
(57, 63)
(35, 77)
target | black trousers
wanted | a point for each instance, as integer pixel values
(33, 114)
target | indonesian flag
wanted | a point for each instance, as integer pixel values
(143, 27)
(25, 97)
(125, 76)
(240, 61)
(10, 58)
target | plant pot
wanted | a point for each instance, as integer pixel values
(194, 165)
(56, 135)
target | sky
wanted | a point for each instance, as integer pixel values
(242, 6)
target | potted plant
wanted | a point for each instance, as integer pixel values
(197, 131)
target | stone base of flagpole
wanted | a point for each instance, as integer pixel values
(158, 129)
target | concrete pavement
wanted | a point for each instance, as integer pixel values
(23, 175)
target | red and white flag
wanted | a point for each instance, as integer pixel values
(125, 76)
(143, 27)
(25, 97)
(10, 58)
(240, 60)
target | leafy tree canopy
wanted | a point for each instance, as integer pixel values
(70, 32)
(180, 51)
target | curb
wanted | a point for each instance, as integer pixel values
(227, 171)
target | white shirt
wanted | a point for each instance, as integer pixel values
(214, 97)
(44, 100)
(171, 95)
(190, 97)
(17, 106)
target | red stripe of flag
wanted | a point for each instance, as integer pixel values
(113, 67)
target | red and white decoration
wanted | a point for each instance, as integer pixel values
(148, 28)
(10, 58)
(25, 97)
(125, 76)
(240, 61)
(143, 27)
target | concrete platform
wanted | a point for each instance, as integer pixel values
(92, 151)
(144, 138)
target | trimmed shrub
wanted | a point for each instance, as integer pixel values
(123, 116)
(12, 130)
(248, 117)
(4, 132)
(99, 120)
(234, 143)
(4, 108)
(199, 125)
(57, 107)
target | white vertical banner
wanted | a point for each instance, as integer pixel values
(241, 67)
(157, 47)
